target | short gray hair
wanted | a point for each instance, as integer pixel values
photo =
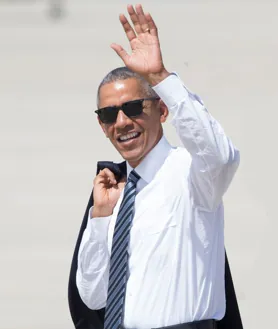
(123, 73)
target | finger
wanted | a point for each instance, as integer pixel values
(127, 27)
(121, 52)
(108, 176)
(134, 18)
(142, 18)
(101, 178)
(151, 24)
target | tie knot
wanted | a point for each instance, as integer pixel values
(133, 176)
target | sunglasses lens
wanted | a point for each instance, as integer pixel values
(108, 115)
(133, 109)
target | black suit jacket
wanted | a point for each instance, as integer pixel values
(85, 318)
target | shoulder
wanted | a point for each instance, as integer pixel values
(181, 156)
(178, 162)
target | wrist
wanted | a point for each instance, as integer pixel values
(101, 212)
(156, 78)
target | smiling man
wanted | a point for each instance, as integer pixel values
(134, 131)
(151, 253)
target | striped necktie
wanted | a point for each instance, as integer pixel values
(119, 256)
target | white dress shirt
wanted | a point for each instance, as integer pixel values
(176, 263)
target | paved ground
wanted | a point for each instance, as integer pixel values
(225, 51)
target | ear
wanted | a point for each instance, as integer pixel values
(164, 112)
(103, 127)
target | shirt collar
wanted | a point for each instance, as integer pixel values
(152, 161)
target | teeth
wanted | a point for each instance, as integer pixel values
(128, 136)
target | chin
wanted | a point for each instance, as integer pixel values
(133, 159)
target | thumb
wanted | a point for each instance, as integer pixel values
(121, 52)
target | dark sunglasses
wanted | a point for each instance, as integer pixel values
(131, 109)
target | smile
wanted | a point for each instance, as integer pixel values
(128, 137)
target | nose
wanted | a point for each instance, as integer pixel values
(122, 120)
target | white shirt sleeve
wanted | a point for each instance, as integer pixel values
(214, 158)
(93, 263)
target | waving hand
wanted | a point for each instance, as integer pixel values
(145, 58)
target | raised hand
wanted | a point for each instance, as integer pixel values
(145, 58)
(106, 193)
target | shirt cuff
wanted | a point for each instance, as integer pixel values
(171, 90)
(99, 226)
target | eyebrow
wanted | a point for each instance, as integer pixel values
(118, 106)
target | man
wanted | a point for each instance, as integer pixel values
(152, 253)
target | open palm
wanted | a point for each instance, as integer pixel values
(145, 57)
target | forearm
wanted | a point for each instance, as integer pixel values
(196, 128)
(201, 134)
(93, 264)
(214, 158)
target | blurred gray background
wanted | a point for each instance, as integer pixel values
(53, 54)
